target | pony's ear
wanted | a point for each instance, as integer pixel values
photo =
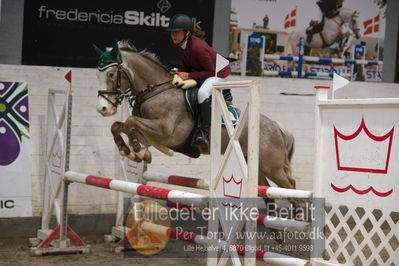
(115, 49)
(98, 50)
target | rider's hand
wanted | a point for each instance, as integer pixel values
(183, 75)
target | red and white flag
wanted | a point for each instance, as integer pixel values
(372, 25)
(68, 77)
(290, 19)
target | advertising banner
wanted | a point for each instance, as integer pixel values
(330, 28)
(15, 163)
(61, 33)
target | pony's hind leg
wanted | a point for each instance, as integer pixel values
(282, 178)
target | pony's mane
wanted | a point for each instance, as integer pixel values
(126, 46)
(152, 57)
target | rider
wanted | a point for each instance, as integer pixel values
(198, 62)
(327, 8)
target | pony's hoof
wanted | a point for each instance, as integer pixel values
(147, 156)
(144, 155)
(132, 156)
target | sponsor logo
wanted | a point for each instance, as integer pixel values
(128, 17)
(164, 5)
(140, 18)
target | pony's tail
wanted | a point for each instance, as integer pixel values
(290, 146)
(289, 141)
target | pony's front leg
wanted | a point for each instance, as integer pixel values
(116, 129)
(154, 131)
(134, 141)
(141, 152)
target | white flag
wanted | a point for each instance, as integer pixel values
(339, 82)
(221, 63)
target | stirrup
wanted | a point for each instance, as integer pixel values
(201, 139)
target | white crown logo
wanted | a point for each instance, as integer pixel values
(232, 189)
(363, 151)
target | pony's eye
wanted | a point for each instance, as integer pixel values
(111, 74)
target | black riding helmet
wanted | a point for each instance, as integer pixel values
(180, 22)
(327, 5)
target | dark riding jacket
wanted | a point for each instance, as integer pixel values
(199, 60)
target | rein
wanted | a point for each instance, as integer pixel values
(132, 98)
(151, 91)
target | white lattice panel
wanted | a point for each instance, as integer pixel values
(360, 236)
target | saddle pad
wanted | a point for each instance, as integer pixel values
(190, 97)
(233, 115)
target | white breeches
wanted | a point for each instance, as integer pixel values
(206, 88)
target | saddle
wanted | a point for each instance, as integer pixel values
(191, 101)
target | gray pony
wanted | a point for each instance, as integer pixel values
(161, 118)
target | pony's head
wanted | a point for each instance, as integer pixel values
(351, 19)
(115, 80)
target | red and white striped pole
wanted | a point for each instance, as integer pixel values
(282, 193)
(176, 196)
(175, 180)
(263, 191)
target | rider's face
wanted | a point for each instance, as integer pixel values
(178, 36)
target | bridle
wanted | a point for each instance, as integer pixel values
(128, 94)
(116, 90)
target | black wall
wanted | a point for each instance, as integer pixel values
(61, 33)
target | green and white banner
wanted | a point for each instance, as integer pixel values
(15, 157)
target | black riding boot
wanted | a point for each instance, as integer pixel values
(205, 116)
